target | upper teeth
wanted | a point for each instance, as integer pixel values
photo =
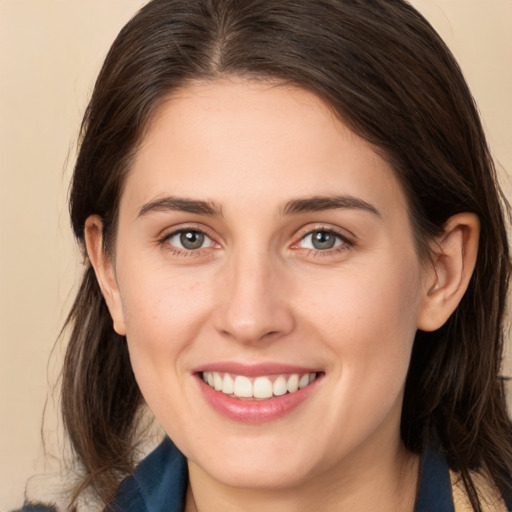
(259, 387)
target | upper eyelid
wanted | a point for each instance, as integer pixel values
(335, 233)
(343, 233)
(171, 231)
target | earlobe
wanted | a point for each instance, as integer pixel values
(453, 261)
(104, 270)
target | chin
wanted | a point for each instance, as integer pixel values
(250, 475)
(259, 468)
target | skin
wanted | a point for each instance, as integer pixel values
(258, 291)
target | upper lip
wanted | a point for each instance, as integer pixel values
(254, 370)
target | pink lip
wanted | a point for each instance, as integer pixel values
(254, 370)
(255, 411)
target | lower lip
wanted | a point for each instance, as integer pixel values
(255, 411)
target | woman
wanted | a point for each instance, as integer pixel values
(297, 257)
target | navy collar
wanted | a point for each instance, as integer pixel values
(160, 483)
(435, 489)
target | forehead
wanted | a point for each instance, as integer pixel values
(264, 142)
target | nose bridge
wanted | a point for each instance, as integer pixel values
(254, 304)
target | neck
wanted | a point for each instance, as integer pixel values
(385, 477)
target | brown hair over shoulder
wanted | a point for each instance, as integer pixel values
(386, 73)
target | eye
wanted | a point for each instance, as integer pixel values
(321, 240)
(189, 239)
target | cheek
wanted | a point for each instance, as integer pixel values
(158, 300)
(365, 301)
(163, 312)
(367, 318)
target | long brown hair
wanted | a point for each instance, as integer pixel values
(391, 79)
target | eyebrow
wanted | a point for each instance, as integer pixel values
(296, 206)
(320, 203)
(181, 205)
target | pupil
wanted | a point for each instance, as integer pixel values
(323, 240)
(191, 239)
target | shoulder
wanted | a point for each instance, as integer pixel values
(489, 496)
(442, 490)
(36, 507)
(159, 481)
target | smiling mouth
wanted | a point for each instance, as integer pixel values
(258, 388)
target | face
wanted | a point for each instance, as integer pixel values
(266, 249)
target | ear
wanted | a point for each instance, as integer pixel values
(453, 257)
(104, 270)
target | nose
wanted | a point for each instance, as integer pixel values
(254, 303)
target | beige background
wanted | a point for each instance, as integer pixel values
(50, 52)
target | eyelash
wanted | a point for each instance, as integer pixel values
(165, 241)
(345, 244)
